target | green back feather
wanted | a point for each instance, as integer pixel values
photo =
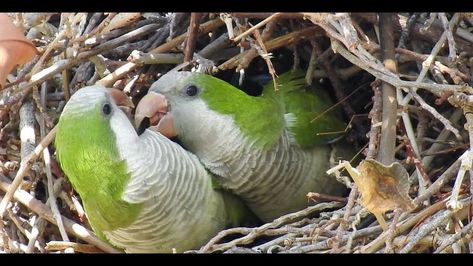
(307, 107)
(85, 146)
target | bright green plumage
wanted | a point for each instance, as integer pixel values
(141, 193)
(315, 122)
(225, 99)
(90, 159)
(264, 149)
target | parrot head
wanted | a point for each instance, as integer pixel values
(154, 108)
(86, 131)
(183, 104)
(194, 106)
(86, 146)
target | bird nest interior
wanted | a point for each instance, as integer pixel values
(401, 80)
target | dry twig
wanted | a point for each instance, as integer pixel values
(78, 49)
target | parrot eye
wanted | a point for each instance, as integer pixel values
(106, 109)
(191, 90)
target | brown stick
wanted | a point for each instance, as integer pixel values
(374, 115)
(374, 245)
(45, 212)
(343, 225)
(120, 72)
(388, 127)
(337, 84)
(25, 166)
(254, 232)
(257, 26)
(325, 197)
(264, 54)
(266, 15)
(192, 33)
(278, 42)
(432, 35)
(62, 245)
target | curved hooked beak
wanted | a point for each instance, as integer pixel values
(120, 98)
(123, 102)
(153, 111)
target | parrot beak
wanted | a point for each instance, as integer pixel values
(120, 98)
(153, 111)
(123, 101)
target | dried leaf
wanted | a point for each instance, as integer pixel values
(15, 49)
(383, 188)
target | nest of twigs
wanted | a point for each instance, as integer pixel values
(402, 81)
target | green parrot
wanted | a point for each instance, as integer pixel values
(140, 193)
(271, 150)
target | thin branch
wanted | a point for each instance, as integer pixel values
(270, 45)
(97, 29)
(343, 225)
(437, 89)
(374, 115)
(62, 245)
(389, 114)
(45, 212)
(376, 244)
(440, 182)
(25, 166)
(391, 233)
(454, 238)
(425, 229)
(192, 33)
(452, 51)
(52, 196)
(264, 54)
(257, 26)
(217, 45)
(428, 62)
(324, 197)
(446, 123)
(255, 232)
(37, 225)
(309, 76)
(130, 66)
(141, 58)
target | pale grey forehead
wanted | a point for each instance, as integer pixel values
(86, 97)
(170, 80)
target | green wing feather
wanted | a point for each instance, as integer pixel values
(314, 123)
